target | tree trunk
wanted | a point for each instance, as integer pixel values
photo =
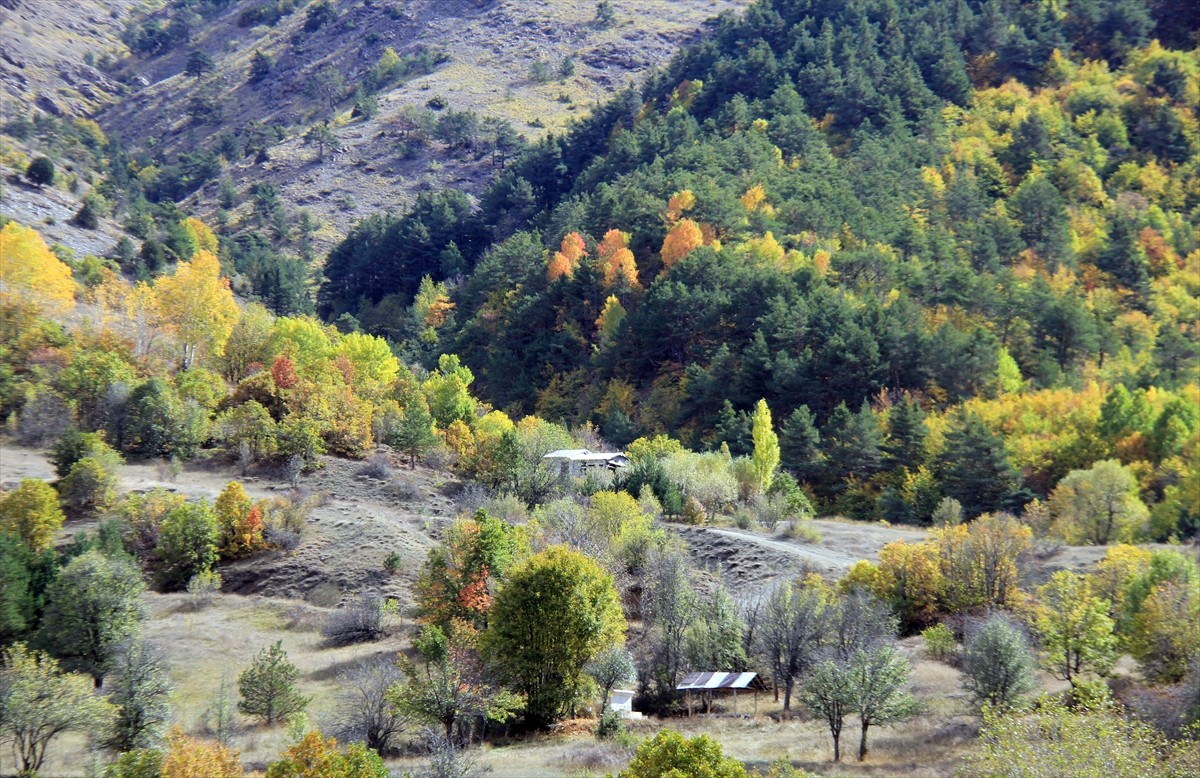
(862, 743)
(787, 694)
(837, 742)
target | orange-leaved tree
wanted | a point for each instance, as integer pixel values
(616, 259)
(190, 758)
(684, 238)
(566, 259)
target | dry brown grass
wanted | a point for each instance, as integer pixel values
(219, 642)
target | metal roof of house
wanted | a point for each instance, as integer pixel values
(583, 455)
(567, 453)
(721, 681)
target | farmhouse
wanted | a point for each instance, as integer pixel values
(575, 461)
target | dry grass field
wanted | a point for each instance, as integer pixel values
(287, 597)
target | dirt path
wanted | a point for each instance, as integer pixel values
(748, 561)
(808, 552)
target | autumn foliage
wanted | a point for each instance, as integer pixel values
(31, 273)
(188, 757)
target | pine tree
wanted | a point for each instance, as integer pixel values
(414, 435)
(268, 686)
(975, 469)
(800, 444)
(906, 439)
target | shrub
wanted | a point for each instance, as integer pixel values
(668, 754)
(610, 724)
(403, 488)
(391, 563)
(803, 530)
(202, 588)
(40, 171)
(31, 513)
(361, 622)
(44, 417)
(282, 538)
(939, 642)
(142, 763)
(313, 756)
(88, 215)
(376, 466)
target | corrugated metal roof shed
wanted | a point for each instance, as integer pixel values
(567, 453)
(722, 681)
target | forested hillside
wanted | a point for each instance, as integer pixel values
(863, 213)
(892, 309)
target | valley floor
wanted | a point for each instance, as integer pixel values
(359, 520)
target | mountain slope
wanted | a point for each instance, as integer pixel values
(50, 53)
(472, 56)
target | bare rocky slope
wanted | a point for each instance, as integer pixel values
(45, 48)
(489, 51)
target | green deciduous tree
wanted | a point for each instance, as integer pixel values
(610, 667)
(556, 612)
(447, 684)
(790, 631)
(267, 688)
(714, 638)
(91, 484)
(1073, 625)
(1099, 505)
(187, 543)
(877, 681)
(31, 513)
(828, 693)
(141, 691)
(92, 607)
(998, 665)
(39, 702)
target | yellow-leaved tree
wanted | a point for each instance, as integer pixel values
(31, 274)
(197, 307)
(199, 235)
(616, 259)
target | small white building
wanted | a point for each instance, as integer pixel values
(621, 700)
(576, 461)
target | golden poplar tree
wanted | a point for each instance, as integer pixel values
(197, 307)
